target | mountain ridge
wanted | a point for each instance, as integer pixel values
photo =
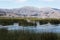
(31, 12)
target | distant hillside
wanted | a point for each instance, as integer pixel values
(31, 12)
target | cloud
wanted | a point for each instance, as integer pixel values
(47, 0)
(5, 0)
(20, 0)
(15, 0)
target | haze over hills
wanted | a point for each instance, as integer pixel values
(31, 12)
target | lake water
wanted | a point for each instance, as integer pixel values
(39, 28)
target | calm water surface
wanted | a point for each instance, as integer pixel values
(39, 28)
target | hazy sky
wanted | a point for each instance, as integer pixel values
(35, 3)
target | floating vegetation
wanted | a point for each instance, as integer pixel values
(51, 21)
(54, 21)
(24, 22)
(43, 22)
(27, 23)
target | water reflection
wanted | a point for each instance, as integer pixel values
(39, 28)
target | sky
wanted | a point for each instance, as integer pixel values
(9, 4)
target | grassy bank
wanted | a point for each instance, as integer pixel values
(26, 35)
(52, 21)
(11, 21)
(24, 22)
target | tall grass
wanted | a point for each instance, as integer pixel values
(23, 22)
(26, 35)
(52, 21)
(10, 21)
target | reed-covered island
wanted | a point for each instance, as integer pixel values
(28, 21)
